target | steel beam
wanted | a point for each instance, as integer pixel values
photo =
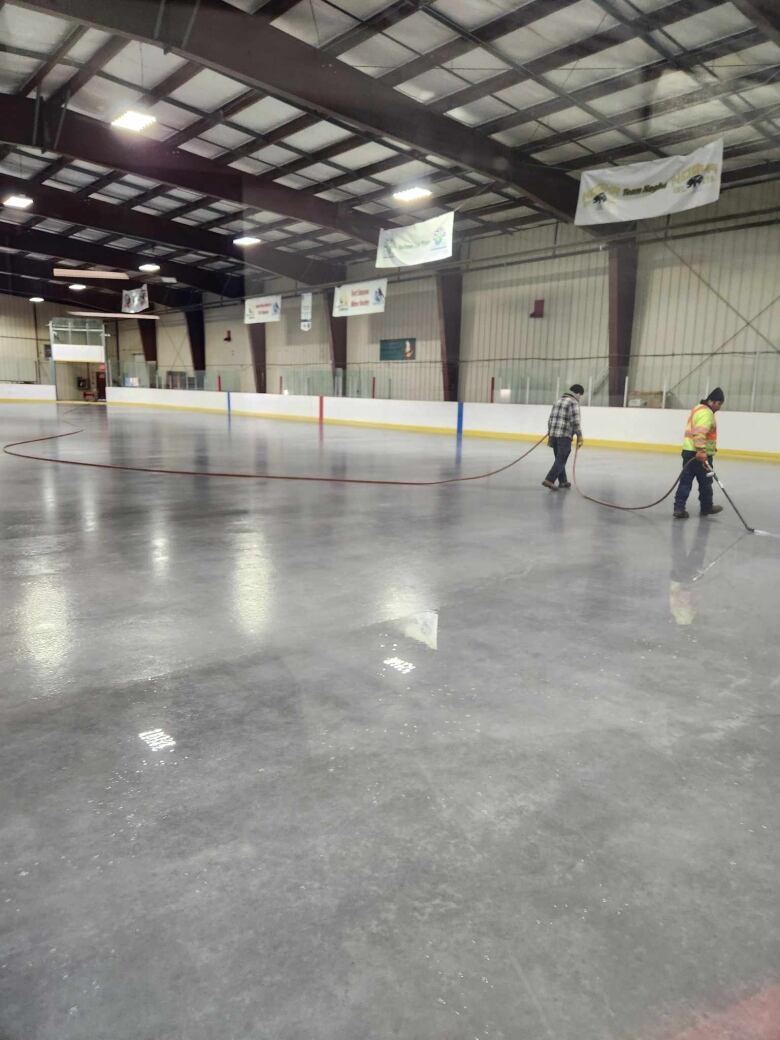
(196, 334)
(20, 280)
(450, 296)
(257, 348)
(162, 294)
(622, 296)
(337, 340)
(148, 333)
(81, 137)
(30, 241)
(634, 78)
(124, 220)
(764, 14)
(228, 40)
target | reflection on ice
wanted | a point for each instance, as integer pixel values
(423, 627)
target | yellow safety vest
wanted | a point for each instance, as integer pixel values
(701, 431)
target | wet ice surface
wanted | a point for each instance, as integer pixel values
(289, 760)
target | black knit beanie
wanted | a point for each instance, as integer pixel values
(716, 395)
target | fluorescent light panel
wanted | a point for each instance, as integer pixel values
(246, 240)
(412, 194)
(18, 201)
(68, 272)
(151, 268)
(77, 286)
(135, 121)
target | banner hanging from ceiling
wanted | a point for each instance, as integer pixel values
(416, 244)
(135, 300)
(651, 189)
(360, 298)
(261, 309)
(306, 311)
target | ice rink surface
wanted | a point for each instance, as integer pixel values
(475, 762)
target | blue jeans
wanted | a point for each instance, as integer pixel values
(562, 448)
(694, 471)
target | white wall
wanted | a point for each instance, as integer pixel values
(500, 340)
(300, 359)
(411, 312)
(25, 392)
(708, 312)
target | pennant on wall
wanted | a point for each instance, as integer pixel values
(306, 310)
(420, 243)
(651, 189)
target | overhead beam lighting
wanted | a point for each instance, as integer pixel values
(412, 194)
(77, 286)
(246, 240)
(135, 121)
(149, 268)
(68, 272)
(36, 299)
(18, 201)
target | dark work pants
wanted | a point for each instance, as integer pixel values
(561, 446)
(695, 471)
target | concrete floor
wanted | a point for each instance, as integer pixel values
(477, 762)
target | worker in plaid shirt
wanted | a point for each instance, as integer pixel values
(563, 425)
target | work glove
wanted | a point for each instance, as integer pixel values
(701, 456)
(580, 442)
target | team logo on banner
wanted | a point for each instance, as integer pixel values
(651, 189)
(360, 298)
(261, 309)
(135, 300)
(420, 243)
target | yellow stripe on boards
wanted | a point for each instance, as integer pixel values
(28, 400)
(391, 426)
(164, 407)
(275, 415)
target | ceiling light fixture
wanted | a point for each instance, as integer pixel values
(36, 299)
(150, 268)
(246, 240)
(18, 201)
(412, 194)
(77, 286)
(68, 272)
(135, 121)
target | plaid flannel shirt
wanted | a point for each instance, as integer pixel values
(564, 418)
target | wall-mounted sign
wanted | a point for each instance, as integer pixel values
(420, 243)
(135, 300)
(651, 189)
(260, 309)
(360, 298)
(306, 310)
(397, 349)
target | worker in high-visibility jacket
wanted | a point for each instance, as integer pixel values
(699, 447)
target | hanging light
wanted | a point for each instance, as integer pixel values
(36, 299)
(135, 121)
(18, 201)
(412, 194)
(77, 286)
(246, 240)
(149, 268)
